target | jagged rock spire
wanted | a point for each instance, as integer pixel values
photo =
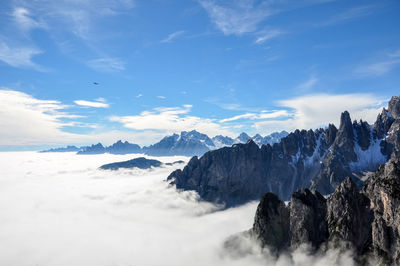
(394, 107)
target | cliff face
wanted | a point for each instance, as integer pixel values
(319, 160)
(367, 221)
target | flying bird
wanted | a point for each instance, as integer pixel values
(95, 83)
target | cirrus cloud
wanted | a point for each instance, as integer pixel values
(99, 104)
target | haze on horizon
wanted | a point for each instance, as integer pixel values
(82, 72)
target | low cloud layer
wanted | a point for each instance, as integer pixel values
(59, 209)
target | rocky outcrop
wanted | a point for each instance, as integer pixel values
(319, 160)
(141, 163)
(383, 189)
(367, 221)
(307, 219)
(271, 224)
(394, 107)
(349, 218)
(237, 174)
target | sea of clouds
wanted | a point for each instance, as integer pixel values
(60, 209)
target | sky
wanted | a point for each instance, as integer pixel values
(88, 71)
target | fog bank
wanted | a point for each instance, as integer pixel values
(60, 209)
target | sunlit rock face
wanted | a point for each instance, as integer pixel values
(366, 222)
(319, 160)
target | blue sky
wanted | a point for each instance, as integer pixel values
(221, 67)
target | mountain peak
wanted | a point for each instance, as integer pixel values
(345, 121)
(394, 107)
(243, 137)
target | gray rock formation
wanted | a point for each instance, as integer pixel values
(319, 160)
(307, 219)
(271, 223)
(349, 218)
(367, 221)
(239, 174)
(141, 163)
(394, 107)
(383, 189)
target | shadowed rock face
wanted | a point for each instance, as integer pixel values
(307, 218)
(349, 217)
(94, 149)
(237, 173)
(141, 163)
(367, 221)
(319, 160)
(123, 148)
(271, 223)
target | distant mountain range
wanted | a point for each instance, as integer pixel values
(63, 149)
(190, 143)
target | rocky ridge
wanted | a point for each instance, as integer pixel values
(317, 159)
(366, 222)
(186, 144)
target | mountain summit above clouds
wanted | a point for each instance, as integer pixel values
(365, 222)
(318, 159)
(194, 143)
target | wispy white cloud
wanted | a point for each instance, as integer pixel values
(107, 64)
(379, 67)
(78, 17)
(85, 103)
(68, 21)
(235, 105)
(170, 120)
(308, 84)
(19, 56)
(161, 97)
(101, 99)
(173, 36)
(348, 15)
(24, 19)
(237, 17)
(139, 95)
(312, 111)
(258, 116)
(268, 35)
